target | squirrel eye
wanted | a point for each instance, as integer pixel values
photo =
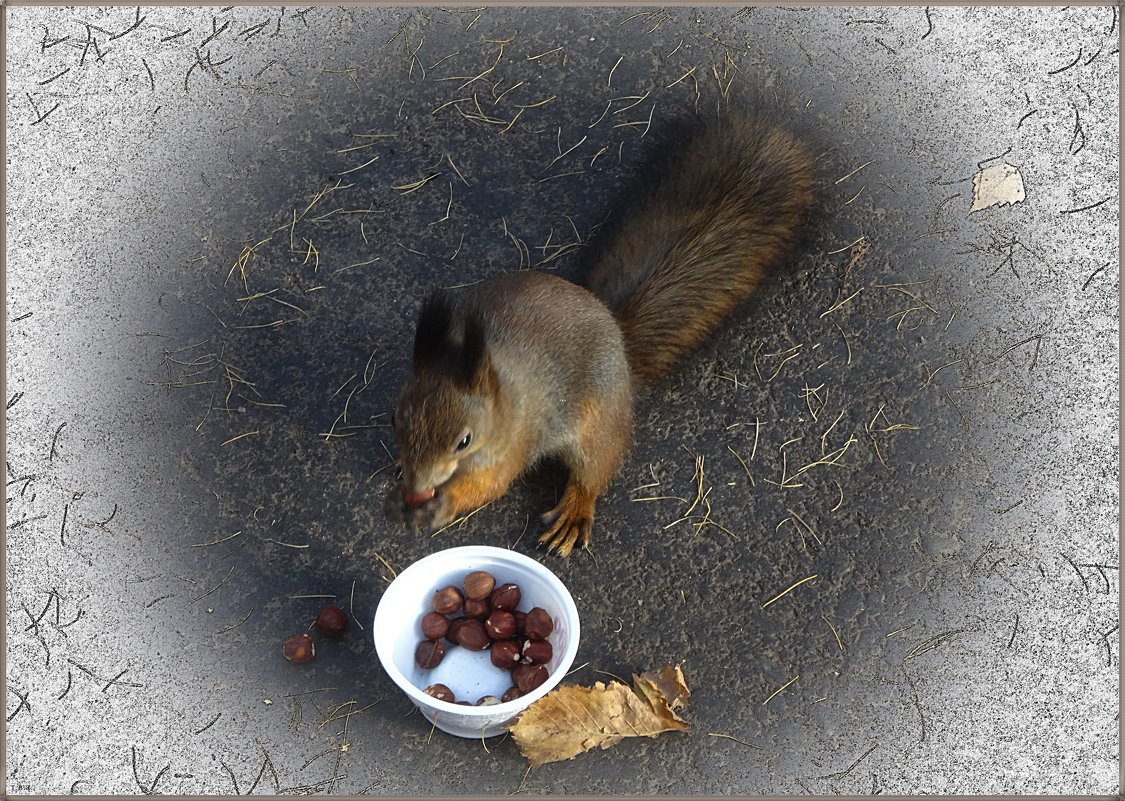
(464, 443)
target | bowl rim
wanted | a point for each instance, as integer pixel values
(468, 552)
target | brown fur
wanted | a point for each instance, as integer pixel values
(534, 366)
(729, 208)
(602, 436)
(552, 380)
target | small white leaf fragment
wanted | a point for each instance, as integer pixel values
(998, 185)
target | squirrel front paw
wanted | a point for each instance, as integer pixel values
(570, 522)
(394, 507)
(432, 514)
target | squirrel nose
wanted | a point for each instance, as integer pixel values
(416, 499)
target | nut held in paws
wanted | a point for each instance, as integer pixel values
(415, 499)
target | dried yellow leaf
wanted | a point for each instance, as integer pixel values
(571, 719)
(669, 683)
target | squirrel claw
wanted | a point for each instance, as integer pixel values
(569, 525)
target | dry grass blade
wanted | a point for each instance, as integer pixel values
(744, 465)
(731, 737)
(853, 172)
(779, 689)
(840, 303)
(413, 186)
(836, 634)
(242, 436)
(788, 590)
(386, 564)
(828, 459)
(700, 495)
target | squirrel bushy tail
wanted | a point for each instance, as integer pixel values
(690, 249)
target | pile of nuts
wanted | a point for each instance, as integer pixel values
(491, 620)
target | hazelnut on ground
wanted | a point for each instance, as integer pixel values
(299, 648)
(331, 621)
(511, 694)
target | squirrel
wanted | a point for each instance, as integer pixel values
(528, 365)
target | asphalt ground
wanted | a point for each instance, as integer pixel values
(221, 224)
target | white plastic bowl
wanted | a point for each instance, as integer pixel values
(469, 674)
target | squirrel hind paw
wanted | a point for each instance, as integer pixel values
(569, 525)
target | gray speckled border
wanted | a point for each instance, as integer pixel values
(146, 149)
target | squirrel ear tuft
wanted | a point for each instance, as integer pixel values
(474, 364)
(432, 335)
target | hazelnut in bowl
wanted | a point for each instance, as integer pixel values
(474, 635)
